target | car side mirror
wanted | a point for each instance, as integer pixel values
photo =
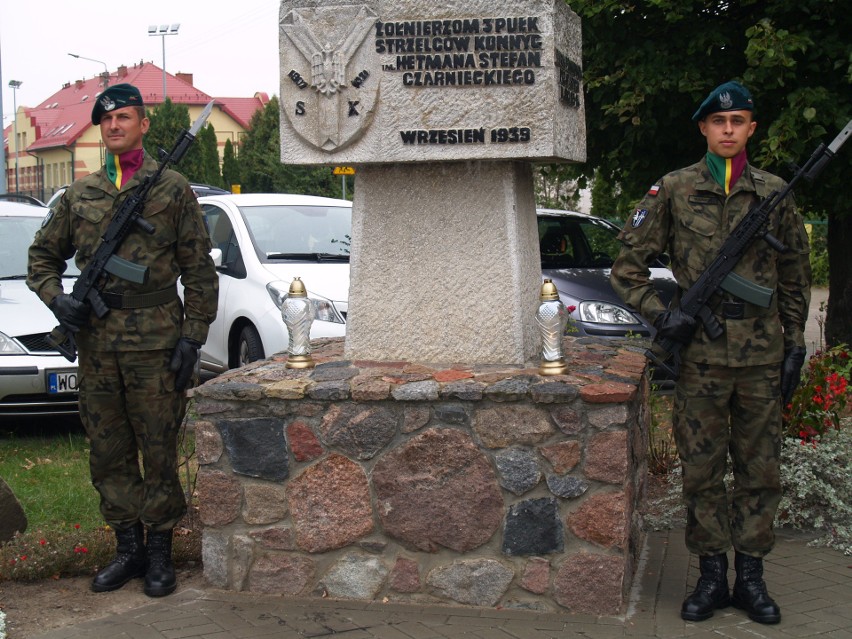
(216, 256)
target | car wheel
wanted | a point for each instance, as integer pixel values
(249, 346)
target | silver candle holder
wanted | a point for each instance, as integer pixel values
(551, 317)
(298, 314)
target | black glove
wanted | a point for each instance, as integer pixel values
(675, 325)
(70, 313)
(791, 371)
(183, 361)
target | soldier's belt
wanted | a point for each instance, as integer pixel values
(733, 309)
(140, 300)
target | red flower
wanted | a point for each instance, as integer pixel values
(76, 525)
(42, 541)
(571, 309)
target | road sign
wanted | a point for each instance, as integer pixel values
(344, 170)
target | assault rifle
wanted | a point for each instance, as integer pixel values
(128, 215)
(720, 275)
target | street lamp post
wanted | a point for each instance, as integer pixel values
(15, 84)
(104, 75)
(163, 31)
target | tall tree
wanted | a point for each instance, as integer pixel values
(648, 64)
(208, 147)
(260, 161)
(230, 166)
(168, 121)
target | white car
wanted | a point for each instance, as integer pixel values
(34, 378)
(261, 242)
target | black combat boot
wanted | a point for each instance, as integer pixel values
(750, 591)
(129, 561)
(160, 577)
(710, 592)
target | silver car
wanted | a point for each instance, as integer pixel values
(577, 253)
(34, 378)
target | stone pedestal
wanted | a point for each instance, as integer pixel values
(388, 480)
(445, 264)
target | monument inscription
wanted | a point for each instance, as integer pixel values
(386, 81)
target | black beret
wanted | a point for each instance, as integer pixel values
(116, 97)
(730, 96)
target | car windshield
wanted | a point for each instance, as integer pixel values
(293, 232)
(16, 235)
(577, 242)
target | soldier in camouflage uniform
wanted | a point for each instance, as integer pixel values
(135, 362)
(729, 393)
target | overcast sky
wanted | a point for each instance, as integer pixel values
(231, 48)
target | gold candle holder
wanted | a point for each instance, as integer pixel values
(551, 317)
(298, 313)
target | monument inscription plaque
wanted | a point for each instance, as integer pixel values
(441, 107)
(418, 81)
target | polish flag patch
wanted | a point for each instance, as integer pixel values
(654, 190)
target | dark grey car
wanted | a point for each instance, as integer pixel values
(577, 253)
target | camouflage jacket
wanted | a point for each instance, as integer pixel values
(688, 216)
(179, 248)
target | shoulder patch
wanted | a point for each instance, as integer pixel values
(654, 190)
(47, 218)
(639, 216)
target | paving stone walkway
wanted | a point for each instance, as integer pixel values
(813, 586)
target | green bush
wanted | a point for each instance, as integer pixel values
(817, 490)
(819, 253)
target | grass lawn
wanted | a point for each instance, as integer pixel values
(50, 477)
(66, 535)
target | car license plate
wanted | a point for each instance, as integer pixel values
(59, 382)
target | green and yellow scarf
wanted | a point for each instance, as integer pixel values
(726, 171)
(120, 168)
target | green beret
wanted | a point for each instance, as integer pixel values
(730, 96)
(117, 96)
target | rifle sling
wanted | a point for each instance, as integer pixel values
(140, 300)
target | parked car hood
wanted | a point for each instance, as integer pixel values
(326, 279)
(594, 284)
(22, 312)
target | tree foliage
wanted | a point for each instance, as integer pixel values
(168, 121)
(556, 186)
(230, 166)
(648, 64)
(208, 147)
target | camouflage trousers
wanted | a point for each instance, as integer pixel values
(721, 412)
(129, 407)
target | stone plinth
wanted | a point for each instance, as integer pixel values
(445, 264)
(391, 480)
